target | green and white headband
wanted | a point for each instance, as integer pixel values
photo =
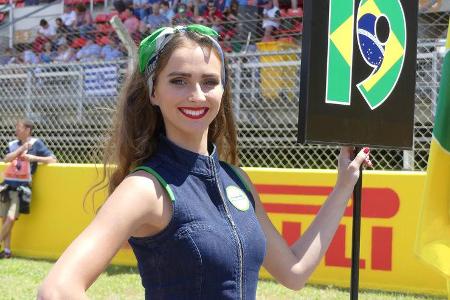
(151, 47)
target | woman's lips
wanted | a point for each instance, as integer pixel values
(193, 112)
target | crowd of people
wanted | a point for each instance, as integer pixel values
(77, 36)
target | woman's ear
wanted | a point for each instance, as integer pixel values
(152, 91)
(153, 99)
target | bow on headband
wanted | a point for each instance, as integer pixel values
(151, 46)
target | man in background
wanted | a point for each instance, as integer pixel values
(22, 156)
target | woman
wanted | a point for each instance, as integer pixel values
(196, 224)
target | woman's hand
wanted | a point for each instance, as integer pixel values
(348, 169)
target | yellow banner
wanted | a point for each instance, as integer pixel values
(390, 210)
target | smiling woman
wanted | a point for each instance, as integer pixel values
(189, 92)
(193, 218)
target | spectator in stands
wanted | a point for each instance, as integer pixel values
(200, 7)
(220, 5)
(46, 30)
(130, 22)
(84, 20)
(229, 25)
(426, 6)
(121, 5)
(182, 16)
(7, 57)
(69, 17)
(90, 51)
(64, 54)
(248, 18)
(271, 19)
(22, 156)
(63, 33)
(192, 7)
(110, 51)
(213, 17)
(167, 11)
(155, 20)
(231, 13)
(140, 8)
(46, 33)
(29, 56)
(47, 55)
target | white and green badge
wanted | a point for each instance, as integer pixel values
(237, 197)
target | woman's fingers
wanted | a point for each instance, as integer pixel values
(362, 158)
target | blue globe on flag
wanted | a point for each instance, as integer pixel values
(371, 48)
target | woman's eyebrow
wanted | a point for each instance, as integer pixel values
(173, 74)
(179, 74)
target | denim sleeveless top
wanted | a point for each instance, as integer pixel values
(213, 246)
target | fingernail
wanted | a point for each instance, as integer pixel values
(366, 150)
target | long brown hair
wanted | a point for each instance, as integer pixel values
(137, 124)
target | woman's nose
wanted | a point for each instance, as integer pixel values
(197, 94)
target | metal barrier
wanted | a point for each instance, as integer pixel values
(73, 103)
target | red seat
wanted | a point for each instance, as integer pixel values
(2, 17)
(292, 22)
(102, 40)
(78, 43)
(113, 13)
(102, 18)
(104, 28)
(4, 1)
(295, 12)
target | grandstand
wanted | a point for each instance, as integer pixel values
(65, 73)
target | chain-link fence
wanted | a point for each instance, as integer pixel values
(72, 105)
(72, 97)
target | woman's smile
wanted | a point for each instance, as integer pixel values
(194, 112)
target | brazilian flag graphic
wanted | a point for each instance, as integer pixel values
(358, 73)
(386, 58)
(433, 236)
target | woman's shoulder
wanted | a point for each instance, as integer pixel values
(143, 197)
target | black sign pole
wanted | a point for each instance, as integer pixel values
(356, 234)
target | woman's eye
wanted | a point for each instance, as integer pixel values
(178, 81)
(211, 82)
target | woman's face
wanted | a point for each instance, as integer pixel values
(189, 91)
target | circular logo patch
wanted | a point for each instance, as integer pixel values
(237, 197)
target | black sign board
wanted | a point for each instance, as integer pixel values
(358, 72)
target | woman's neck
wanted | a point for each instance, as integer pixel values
(197, 144)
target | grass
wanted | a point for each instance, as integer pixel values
(20, 278)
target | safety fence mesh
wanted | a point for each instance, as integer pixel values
(72, 105)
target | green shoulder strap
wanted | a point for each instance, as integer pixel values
(160, 179)
(239, 175)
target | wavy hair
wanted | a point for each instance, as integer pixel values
(137, 123)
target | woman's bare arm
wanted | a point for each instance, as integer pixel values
(136, 201)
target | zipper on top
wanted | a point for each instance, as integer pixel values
(234, 230)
